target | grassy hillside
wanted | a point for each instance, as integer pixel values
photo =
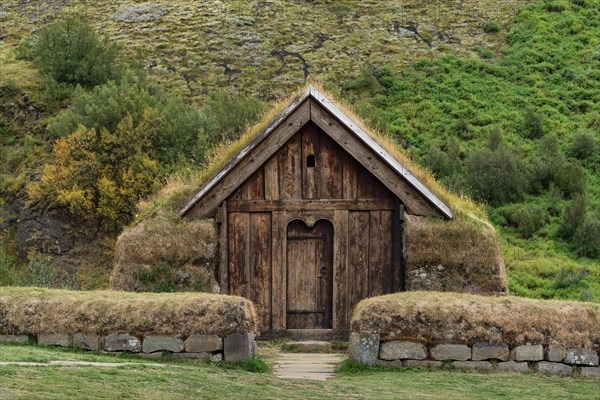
(265, 47)
(519, 131)
(466, 87)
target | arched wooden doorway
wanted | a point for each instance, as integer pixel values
(309, 294)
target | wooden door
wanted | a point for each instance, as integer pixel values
(309, 292)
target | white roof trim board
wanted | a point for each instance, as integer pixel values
(349, 124)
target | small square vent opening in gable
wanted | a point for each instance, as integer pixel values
(310, 161)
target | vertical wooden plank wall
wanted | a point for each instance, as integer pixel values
(364, 253)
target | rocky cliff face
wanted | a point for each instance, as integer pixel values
(78, 252)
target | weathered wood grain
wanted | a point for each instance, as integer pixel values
(349, 177)
(278, 266)
(309, 205)
(310, 146)
(239, 268)
(341, 317)
(290, 178)
(223, 249)
(254, 187)
(271, 171)
(330, 169)
(358, 256)
(397, 281)
(309, 279)
(260, 266)
(376, 256)
(245, 164)
(387, 252)
(412, 199)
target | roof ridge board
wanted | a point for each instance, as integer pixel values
(252, 143)
(387, 158)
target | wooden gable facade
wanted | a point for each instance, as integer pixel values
(310, 216)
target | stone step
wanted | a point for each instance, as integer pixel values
(309, 346)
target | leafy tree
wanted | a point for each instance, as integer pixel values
(100, 174)
(174, 127)
(70, 51)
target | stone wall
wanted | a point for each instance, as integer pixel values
(367, 348)
(188, 325)
(233, 347)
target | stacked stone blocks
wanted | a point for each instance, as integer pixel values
(552, 359)
(234, 347)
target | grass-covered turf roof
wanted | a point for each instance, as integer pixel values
(434, 317)
(33, 311)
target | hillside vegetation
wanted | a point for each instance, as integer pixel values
(499, 99)
(519, 132)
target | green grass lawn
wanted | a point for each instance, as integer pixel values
(182, 380)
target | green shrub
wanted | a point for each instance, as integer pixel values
(571, 179)
(584, 145)
(69, 51)
(557, 6)
(527, 219)
(104, 107)
(567, 277)
(586, 239)
(580, 3)
(445, 163)
(533, 124)
(495, 139)
(462, 128)
(491, 27)
(572, 217)
(225, 115)
(546, 165)
(495, 176)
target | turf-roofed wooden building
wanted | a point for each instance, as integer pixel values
(310, 214)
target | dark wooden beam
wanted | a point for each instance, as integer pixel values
(309, 205)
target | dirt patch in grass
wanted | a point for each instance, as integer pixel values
(434, 317)
(34, 311)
